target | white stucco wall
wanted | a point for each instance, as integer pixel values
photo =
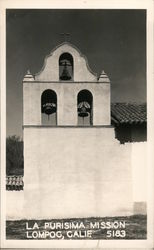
(139, 171)
(14, 204)
(75, 172)
(15, 200)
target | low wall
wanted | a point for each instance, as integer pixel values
(139, 170)
(14, 204)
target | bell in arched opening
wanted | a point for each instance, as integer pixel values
(65, 73)
(49, 107)
(66, 67)
(84, 108)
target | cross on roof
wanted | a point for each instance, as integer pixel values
(65, 36)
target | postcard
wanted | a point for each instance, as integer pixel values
(77, 111)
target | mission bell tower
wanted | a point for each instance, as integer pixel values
(74, 166)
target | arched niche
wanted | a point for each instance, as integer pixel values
(85, 108)
(49, 107)
(66, 67)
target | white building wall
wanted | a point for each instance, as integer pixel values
(135, 151)
(139, 171)
(75, 172)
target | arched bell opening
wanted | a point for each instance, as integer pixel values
(49, 107)
(85, 108)
(66, 67)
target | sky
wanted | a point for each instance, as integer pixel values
(112, 40)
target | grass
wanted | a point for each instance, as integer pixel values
(136, 228)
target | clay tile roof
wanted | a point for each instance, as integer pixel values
(128, 113)
(14, 182)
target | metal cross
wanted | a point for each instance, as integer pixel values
(65, 36)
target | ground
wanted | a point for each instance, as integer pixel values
(136, 228)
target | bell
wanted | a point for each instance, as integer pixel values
(83, 112)
(83, 109)
(49, 108)
(65, 74)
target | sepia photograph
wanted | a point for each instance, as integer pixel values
(76, 145)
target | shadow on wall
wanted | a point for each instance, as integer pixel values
(131, 132)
